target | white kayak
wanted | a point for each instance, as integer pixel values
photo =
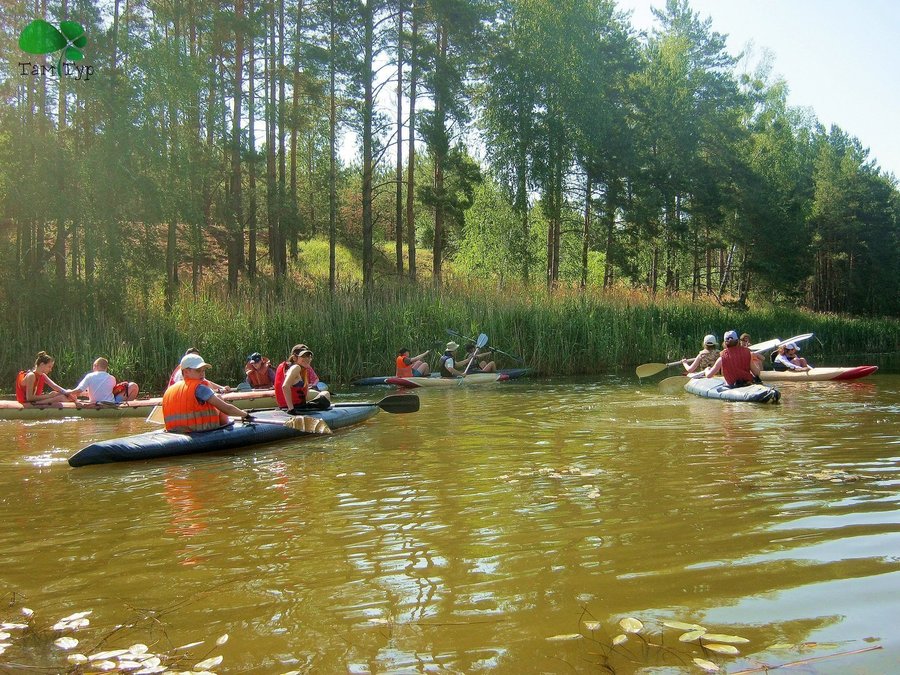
(437, 381)
(715, 387)
(817, 374)
(13, 410)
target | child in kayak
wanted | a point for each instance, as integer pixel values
(787, 359)
(412, 366)
(705, 359)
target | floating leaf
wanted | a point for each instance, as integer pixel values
(592, 625)
(690, 636)
(620, 640)
(111, 654)
(66, 643)
(27, 612)
(77, 615)
(782, 646)
(4, 636)
(76, 658)
(152, 670)
(729, 639)
(2, 648)
(222, 639)
(41, 37)
(678, 625)
(708, 666)
(13, 626)
(130, 665)
(564, 637)
(152, 662)
(208, 663)
(105, 665)
(189, 645)
(140, 648)
(79, 623)
(631, 625)
(721, 649)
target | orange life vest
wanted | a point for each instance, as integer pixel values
(183, 413)
(259, 377)
(21, 394)
(403, 370)
(298, 391)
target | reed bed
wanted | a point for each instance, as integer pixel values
(567, 332)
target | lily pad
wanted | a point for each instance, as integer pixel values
(208, 663)
(592, 625)
(690, 636)
(66, 643)
(721, 649)
(680, 625)
(728, 639)
(708, 666)
(222, 639)
(565, 637)
(631, 625)
(620, 640)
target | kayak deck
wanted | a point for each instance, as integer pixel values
(268, 426)
(715, 387)
(13, 410)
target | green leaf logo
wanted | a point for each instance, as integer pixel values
(42, 37)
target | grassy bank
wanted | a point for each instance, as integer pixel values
(567, 333)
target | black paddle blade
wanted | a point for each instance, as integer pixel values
(399, 403)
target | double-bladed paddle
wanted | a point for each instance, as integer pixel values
(649, 369)
(453, 333)
(479, 343)
(672, 385)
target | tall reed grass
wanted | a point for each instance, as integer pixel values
(567, 332)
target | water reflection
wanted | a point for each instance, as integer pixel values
(464, 536)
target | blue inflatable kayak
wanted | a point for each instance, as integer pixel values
(715, 387)
(267, 426)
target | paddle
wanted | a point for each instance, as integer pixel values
(479, 343)
(452, 332)
(648, 369)
(394, 404)
(156, 415)
(672, 385)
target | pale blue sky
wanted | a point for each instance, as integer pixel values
(839, 57)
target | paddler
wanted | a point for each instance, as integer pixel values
(292, 383)
(477, 366)
(30, 384)
(259, 371)
(705, 359)
(788, 359)
(735, 363)
(191, 405)
(101, 387)
(412, 366)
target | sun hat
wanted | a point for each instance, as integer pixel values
(731, 335)
(194, 361)
(791, 345)
(710, 340)
(452, 347)
(305, 351)
(255, 356)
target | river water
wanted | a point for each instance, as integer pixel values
(506, 528)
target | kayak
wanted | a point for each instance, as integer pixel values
(474, 378)
(267, 426)
(715, 387)
(13, 410)
(511, 374)
(817, 374)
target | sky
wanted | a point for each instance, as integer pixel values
(841, 58)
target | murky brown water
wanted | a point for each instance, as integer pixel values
(462, 538)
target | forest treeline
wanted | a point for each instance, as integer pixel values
(523, 140)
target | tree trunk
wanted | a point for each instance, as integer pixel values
(251, 185)
(441, 124)
(398, 217)
(368, 110)
(332, 155)
(586, 233)
(234, 211)
(411, 159)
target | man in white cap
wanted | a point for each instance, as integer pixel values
(191, 405)
(447, 364)
(736, 363)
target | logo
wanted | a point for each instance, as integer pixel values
(42, 37)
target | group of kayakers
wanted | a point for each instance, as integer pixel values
(99, 386)
(448, 365)
(738, 365)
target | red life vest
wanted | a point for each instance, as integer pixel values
(259, 377)
(403, 370)
(736, 364)
(183, 413)
(298, 391)
(21, 394)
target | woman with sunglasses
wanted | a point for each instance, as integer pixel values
(787, 359)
